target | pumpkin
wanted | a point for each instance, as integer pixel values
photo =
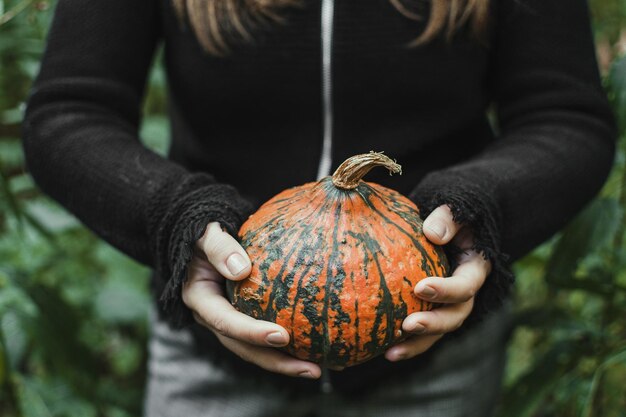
(335, 262)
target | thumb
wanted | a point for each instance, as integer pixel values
(224, 253)
(439, 226)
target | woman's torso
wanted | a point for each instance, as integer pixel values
(255, 117)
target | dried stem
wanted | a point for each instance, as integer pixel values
(350, 173)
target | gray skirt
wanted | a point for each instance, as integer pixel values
(463, 379)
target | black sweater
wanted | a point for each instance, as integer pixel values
(253, 120)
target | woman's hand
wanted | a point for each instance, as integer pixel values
(219, 256)
(456, 293)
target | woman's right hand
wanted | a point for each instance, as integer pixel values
(219, 257)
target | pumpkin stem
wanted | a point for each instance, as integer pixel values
(353, 169)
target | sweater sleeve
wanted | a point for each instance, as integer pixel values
(80, 138)
(555, 144)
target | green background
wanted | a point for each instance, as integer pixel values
(73, 311)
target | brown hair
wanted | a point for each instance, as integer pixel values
(215, 23)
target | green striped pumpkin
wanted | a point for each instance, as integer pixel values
(335, 263)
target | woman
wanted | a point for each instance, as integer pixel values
(267, 94)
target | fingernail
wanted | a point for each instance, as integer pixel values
(276, 339)
(306, 374)
(438, 228)
(236, 264)
(399, 355)
(415, 327)
(427, 291)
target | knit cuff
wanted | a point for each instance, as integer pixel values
(475, 207)
(192, 208)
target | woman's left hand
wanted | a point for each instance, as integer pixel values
(456, 293)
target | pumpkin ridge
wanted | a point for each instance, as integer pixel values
(301, 199)
(385, 297)
(357, 337)
(307, 229)
(273, 220)
(277, 284)
(278, 279)
(330, 280)
(271, 223)
(416, 243)
(407, 212)
(300, 280)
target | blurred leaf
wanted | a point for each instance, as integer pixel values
(8, 196)
(12, 116)
(27, 46)
(526, 395)
(119, 302)
(618, 90)
(591, 231)
(29, 401)
(13, 11)
(60, 328)
(155, 133)
(50, 216)
(118, 412)
(613, 359)
(14, 337)
(60, 399)
(127, 358)
(37, 225)
(544, 316)
(14, 299)
(4, 368)
(11, 152)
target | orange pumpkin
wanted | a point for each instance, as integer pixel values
(335, 263)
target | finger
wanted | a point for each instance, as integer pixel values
(464, 283)
(272, 360)
(214, 311)
(439, 227)
(438, 321)
(225, 253)
(411, 347)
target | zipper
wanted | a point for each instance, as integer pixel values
(327, 17)
(323, 170)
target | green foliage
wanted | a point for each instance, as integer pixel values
(73, 310)
(568, 356)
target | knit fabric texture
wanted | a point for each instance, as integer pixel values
(190, 209)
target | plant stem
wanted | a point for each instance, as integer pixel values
(353, 169)
(14, 11)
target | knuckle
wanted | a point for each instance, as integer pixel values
(442, 292)
(481, 262)
(220, 326)
(251, 335)
(281, 368)
(219, 245)
(469, 294)
(213, 246)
